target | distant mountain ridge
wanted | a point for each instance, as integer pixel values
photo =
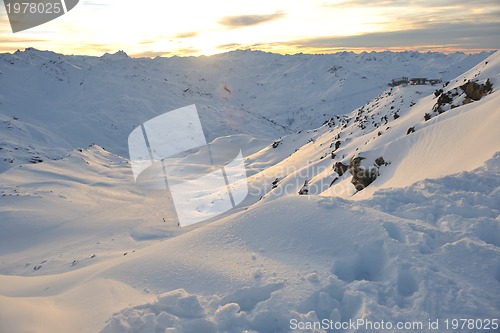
(51, 103)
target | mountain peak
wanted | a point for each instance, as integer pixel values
(120, 54)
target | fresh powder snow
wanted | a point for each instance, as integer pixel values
(85, 249)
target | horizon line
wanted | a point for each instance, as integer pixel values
(357, 51)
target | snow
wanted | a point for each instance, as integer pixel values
(85, 249)
(328, 258)
(53, 103)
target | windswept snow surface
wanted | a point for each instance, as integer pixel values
(394, 258)
(83, 249)
(428, 251)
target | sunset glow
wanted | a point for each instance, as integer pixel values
(150, 28)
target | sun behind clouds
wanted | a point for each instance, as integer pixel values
(150, 28)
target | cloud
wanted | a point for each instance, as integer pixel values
(151, 54)
(8, 44)
(440, 37)
(189, 51)
(147, 41)
(249, 20)
(361, 3)
(412, 3)
(418, 13)
(186, 35)
(460, 36)
(23, 41)
(230, 46)
(96, 3)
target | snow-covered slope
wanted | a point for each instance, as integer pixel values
(50, 103)
(426, 252)
(82, 249)
(392, 126)
(325, 258)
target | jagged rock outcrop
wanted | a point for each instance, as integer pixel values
(445, 98)
(361, 176)
(379, 161)
(305, 188)
(463, 95)
(337, 145)
(340, 168)
(474, 90)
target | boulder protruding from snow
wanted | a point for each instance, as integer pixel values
(362, 176)
(340, 168)
(380, 161)
(474, 90)
(305, 188)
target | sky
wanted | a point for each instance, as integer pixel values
(149, 28)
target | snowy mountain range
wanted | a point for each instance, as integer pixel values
(368, 202)
(53, 103)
